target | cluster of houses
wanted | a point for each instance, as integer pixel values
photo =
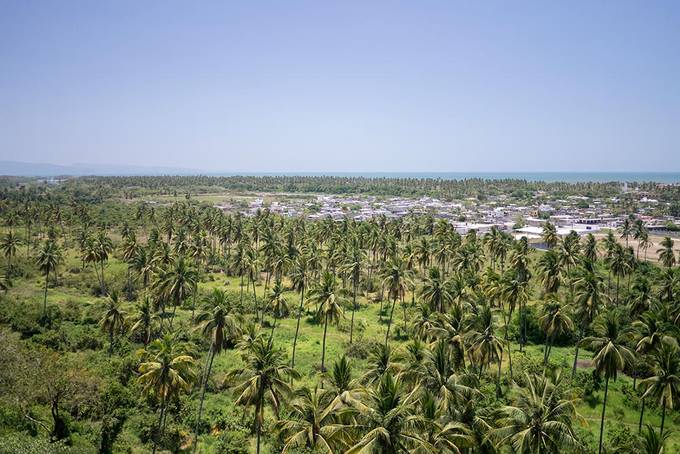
(575, 213)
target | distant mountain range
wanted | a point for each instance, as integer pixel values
(30, 169)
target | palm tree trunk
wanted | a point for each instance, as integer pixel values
(498, 379)
(642, 412)
(617, 289)
(604, 408)
(103, 281)
(47, 278)
(389, 322)
(241, 289)
(200, 404)
(110, 342)
(323, 347)
(573, 369)
(297, 328)
(548, 347)
(354, 306)
(259, 430)
(663, 419)
(160, 425)
(271, 335)
(257, 308)
(507, 341)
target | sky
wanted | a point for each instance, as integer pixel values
(323, 86)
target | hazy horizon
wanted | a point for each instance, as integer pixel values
(342, 87)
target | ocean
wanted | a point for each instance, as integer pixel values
(568, 177)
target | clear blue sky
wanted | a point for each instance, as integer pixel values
(342, 86)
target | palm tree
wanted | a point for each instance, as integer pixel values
(144, 320)
(328, 308)
(277, 305)
(549, 235)
(49, 257)
(589, 299)
(312, 423)
(626, 229)
(113, 319)
(554, 321)
(384, 419)
(220, 325)
(619, 265)
(396, 279)
(666, 252)
(590, 248)
(102, 249)
(652, 442)
(353, 267)
(486, 346)
(166, 372)
(299, 277)
(9, 245)
(382, 360)
(540, 421)
(549, 268)
(664, 385)
(176, 282)
(435, 292)
(610, 353)
(263, 380)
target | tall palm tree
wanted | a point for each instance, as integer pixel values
(277, 305)
(549, 235)
(299, 276)
(263, 380)
(49, 257)
(549, 268)
(353, 267)
(312, 423)
(590, 296)
(103, 246)
(666, 252)
(9, 245)
(176, 282)
(396, 279)
(165, 373)
(514, 292)
(144, 320)
(554, 321)
(610, 353)
(539, 422)
(486, 346)
(220, 325)
(619, 265)
(435, 292)
(328, 308)
(626, 229)
(384, 419)
(113, 319)
(664, 384)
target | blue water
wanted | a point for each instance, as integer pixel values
(569, 177)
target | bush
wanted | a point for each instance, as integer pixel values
(233, 442)
(24, 444)
(620, 440)
(361, 349)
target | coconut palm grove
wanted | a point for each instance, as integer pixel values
(136, 316)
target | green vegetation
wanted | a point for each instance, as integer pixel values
(176, 327)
